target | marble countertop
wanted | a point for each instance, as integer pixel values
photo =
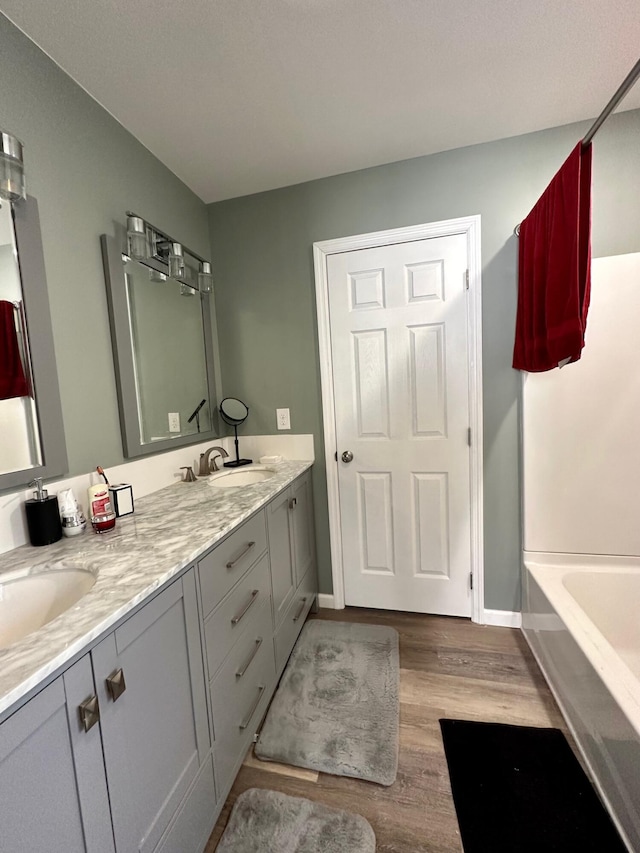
(168, 530)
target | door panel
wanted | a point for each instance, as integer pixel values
(153, 731)
(399, 347)
(283, 580)
(375, 521)
(52, 785)
(302, 523)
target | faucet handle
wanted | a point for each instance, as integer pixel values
(213, 465)
(189, 477)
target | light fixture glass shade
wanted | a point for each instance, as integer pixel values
(137, 237)
(12, 183)
(156, 276)
(176, 261)
(205, 278)
(187, 290)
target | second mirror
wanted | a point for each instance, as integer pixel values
(234, 412)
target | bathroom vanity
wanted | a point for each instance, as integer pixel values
(126, 719)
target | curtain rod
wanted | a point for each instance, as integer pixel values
(622, 90)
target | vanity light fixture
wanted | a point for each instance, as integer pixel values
(176, 261)
(12, 184)
(205, 277)
(165, 257)
(137, 238)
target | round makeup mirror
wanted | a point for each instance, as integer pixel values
(234, 412)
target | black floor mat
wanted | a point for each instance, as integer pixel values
(521, 789)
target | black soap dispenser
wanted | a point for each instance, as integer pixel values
(43, 516)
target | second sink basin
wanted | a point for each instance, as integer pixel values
(241, 477)
(28, 600)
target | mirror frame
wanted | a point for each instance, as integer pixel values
(123, 359)
(26, 223)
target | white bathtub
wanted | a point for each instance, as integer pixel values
(581, 617)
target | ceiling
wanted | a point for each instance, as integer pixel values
(240, 96)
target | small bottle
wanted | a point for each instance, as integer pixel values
(101, 512)
(73, 521)
(43, 516)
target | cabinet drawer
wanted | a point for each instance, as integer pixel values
(226, 564)
(237, 614)
(240, 693)
(294, 620)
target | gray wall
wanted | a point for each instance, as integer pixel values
(86, 171)
(262, 249)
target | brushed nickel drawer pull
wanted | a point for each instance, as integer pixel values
(232, 563)
(247, 719)
(301, 610)
(249, 660)
(254, 595)
(116, 684)
(89, 712)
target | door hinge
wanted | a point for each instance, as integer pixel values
(466, 279)
(469, 436)
(470, 580)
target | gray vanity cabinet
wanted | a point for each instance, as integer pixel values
(53, 792)
(304, 547)
(135, 773)
(292, 553)
(165, 729)
(150, 685)
(283, 574)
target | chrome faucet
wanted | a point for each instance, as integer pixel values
(207, 467)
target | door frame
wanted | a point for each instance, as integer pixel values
(470, 227)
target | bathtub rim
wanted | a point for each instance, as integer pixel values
(549, 570)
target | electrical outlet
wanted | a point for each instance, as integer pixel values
(282, 418)
(174, 421)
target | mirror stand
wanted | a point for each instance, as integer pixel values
(234, 412)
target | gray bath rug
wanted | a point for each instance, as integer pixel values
(336, 709)
(269, 822)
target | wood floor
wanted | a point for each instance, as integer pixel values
(449, 668)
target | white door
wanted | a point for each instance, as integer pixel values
(398, 318)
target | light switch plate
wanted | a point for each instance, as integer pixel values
(282, 418)
(174, 421)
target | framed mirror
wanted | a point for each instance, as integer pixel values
(165, 349)
(31, 425)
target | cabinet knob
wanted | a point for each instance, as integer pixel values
(89, 712)
(116, 684)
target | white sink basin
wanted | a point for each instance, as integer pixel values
(241, 477)
(30, 600)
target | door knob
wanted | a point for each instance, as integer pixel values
(347, 456)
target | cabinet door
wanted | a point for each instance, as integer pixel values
(283, 581)
(52, 784)
(155, 733)
(302, 526)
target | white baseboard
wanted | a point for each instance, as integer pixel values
(502, 618)
(325, 600)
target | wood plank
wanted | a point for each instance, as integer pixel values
(283, 769)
